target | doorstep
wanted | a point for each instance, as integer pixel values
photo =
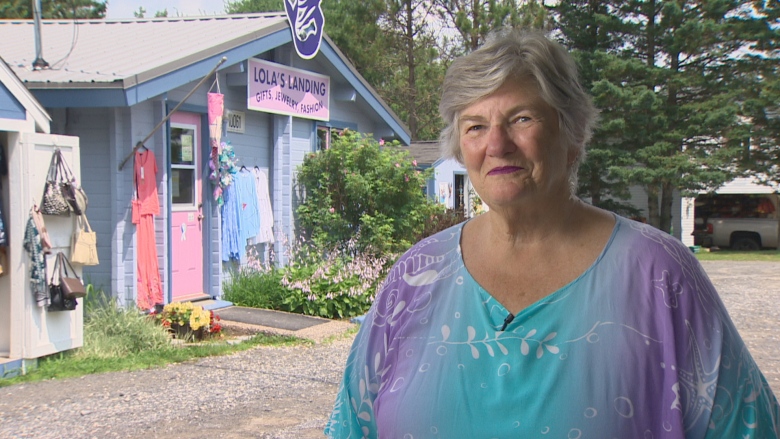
(256, 320)
(192, 297)
(213, 304)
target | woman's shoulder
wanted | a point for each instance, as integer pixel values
(429, 259)
(644, 243)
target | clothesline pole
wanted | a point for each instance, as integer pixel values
(165, 119)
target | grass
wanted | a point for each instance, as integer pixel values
(118, 339)
(71, 364)
(731, 255)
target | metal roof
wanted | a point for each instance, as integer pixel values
(125, 61)
(124, 53)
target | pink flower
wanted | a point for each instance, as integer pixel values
(406, 178)
(397, 165)
(414, 162)
(381, 142)
(332, 210)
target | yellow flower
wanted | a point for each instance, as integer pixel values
(199, 318)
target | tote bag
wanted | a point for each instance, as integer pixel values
(84, 243)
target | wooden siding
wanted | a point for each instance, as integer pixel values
(90, 125)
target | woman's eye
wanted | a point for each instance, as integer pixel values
(474, 128)
(521, 119)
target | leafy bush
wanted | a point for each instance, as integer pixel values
(359, 189)
(256, 288)
(112, 331)
(441, 221)
(339, 283)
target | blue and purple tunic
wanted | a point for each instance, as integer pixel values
(639, 346)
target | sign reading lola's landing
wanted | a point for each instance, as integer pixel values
(279, 89)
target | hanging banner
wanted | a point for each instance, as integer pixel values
(279, 89)
(306, 23)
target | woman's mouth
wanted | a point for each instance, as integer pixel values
(504, 170)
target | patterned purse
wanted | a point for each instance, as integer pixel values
(71, 190)
(53, 202)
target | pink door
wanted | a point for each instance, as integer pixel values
(186, 208)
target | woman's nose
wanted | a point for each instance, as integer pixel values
(498, 141)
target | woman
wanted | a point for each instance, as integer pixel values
(545, 316)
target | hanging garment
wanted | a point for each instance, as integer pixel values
(149, 283)
(3, 260)
(264, 206)
(32, 243)
(249, 218)
(37, 217)
(231, 245)
(3, 173)
(3, 237)
(145, 167)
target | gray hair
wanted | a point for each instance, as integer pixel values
(511, 54)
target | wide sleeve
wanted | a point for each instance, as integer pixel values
(743, 405)
(368, 368)
(721, 391)
(353, 412)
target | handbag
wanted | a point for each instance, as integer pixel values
(83, 248)
(53, 202)
(58, 300)
(64, 293)
(70, 282)
(71, 191)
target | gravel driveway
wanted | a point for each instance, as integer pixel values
(288, 392)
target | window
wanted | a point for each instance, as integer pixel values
(325, 136)
(460, 192)
(183, 147)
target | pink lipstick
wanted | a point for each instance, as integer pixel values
(504, 170)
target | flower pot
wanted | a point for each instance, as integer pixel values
(184, 332)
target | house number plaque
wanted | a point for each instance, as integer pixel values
(235, 121)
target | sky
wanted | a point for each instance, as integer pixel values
(125, 8)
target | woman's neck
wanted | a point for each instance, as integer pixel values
(533, 224)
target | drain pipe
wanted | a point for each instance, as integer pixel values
(39, 63)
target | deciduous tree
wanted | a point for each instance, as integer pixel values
(58, 9)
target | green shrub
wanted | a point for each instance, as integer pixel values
(340, 283)
(112, 331)
(359, 190)
(441, 221)
(256, 289)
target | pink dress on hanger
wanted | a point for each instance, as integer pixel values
(149, 285)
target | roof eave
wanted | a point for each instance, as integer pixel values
(31, 105)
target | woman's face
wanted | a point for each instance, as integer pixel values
(512, 148)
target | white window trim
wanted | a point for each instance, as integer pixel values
(180, 207)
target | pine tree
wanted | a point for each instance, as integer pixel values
(475, 19)
(673, 91)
